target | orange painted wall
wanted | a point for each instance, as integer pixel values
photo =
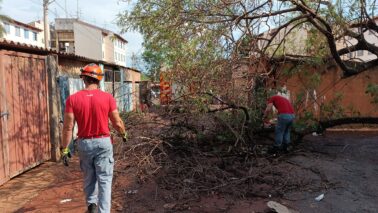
(352, 88)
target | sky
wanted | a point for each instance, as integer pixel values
(101, 13)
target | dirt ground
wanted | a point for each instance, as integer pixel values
(341, 165)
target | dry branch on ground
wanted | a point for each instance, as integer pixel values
(187, 157)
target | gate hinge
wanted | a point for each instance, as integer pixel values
(3, 114)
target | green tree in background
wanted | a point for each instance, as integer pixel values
(2, 19)
(215, 29)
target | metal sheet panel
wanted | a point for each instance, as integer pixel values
(129, 97)
(75, 85)
(67, 87)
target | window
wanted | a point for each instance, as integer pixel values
(360, 53)
(109, 74)
(18, 31)
(351, 55)
(117, 76)
(26, 34)
(35, 37)
(7, 28)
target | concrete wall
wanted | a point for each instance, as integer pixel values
(290, 42)
(70, 67)
(88, 41)
(134, 78)
(108, 49)
(131, 75)
(64, 24)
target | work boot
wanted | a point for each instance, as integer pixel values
(286, 148)
(273, 150)
(92, 208)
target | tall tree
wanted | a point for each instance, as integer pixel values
(219, 28)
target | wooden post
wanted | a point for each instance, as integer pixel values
(54, 106)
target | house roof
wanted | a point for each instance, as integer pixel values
(11, 45)
(133, 69)
(10, 20)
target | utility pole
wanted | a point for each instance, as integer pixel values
(65, 7)
(46, 21)
(77, 9)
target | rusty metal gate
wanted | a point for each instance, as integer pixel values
(24, 127)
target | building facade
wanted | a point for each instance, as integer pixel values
(83, 39)
(23, 33)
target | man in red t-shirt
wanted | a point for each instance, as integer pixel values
(92, 108)
(284, 122)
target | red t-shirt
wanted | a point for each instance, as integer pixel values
(282, 104)
(91, 109)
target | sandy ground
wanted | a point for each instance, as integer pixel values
(342, 166)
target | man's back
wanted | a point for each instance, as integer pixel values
(282, 104)
(91, 109)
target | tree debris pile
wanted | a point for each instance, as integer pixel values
(187, 157)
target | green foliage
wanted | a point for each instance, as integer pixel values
(299, 100)
(235, 119)
(333, 109)
(144, 77)
(372, 90)
(168, 37)
(316, 45)
(200, 42)
(352, 111)
(2, 18)
(314, 80)
(305, 121)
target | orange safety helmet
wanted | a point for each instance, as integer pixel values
(93, 71)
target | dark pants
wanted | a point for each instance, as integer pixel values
(282, 130)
